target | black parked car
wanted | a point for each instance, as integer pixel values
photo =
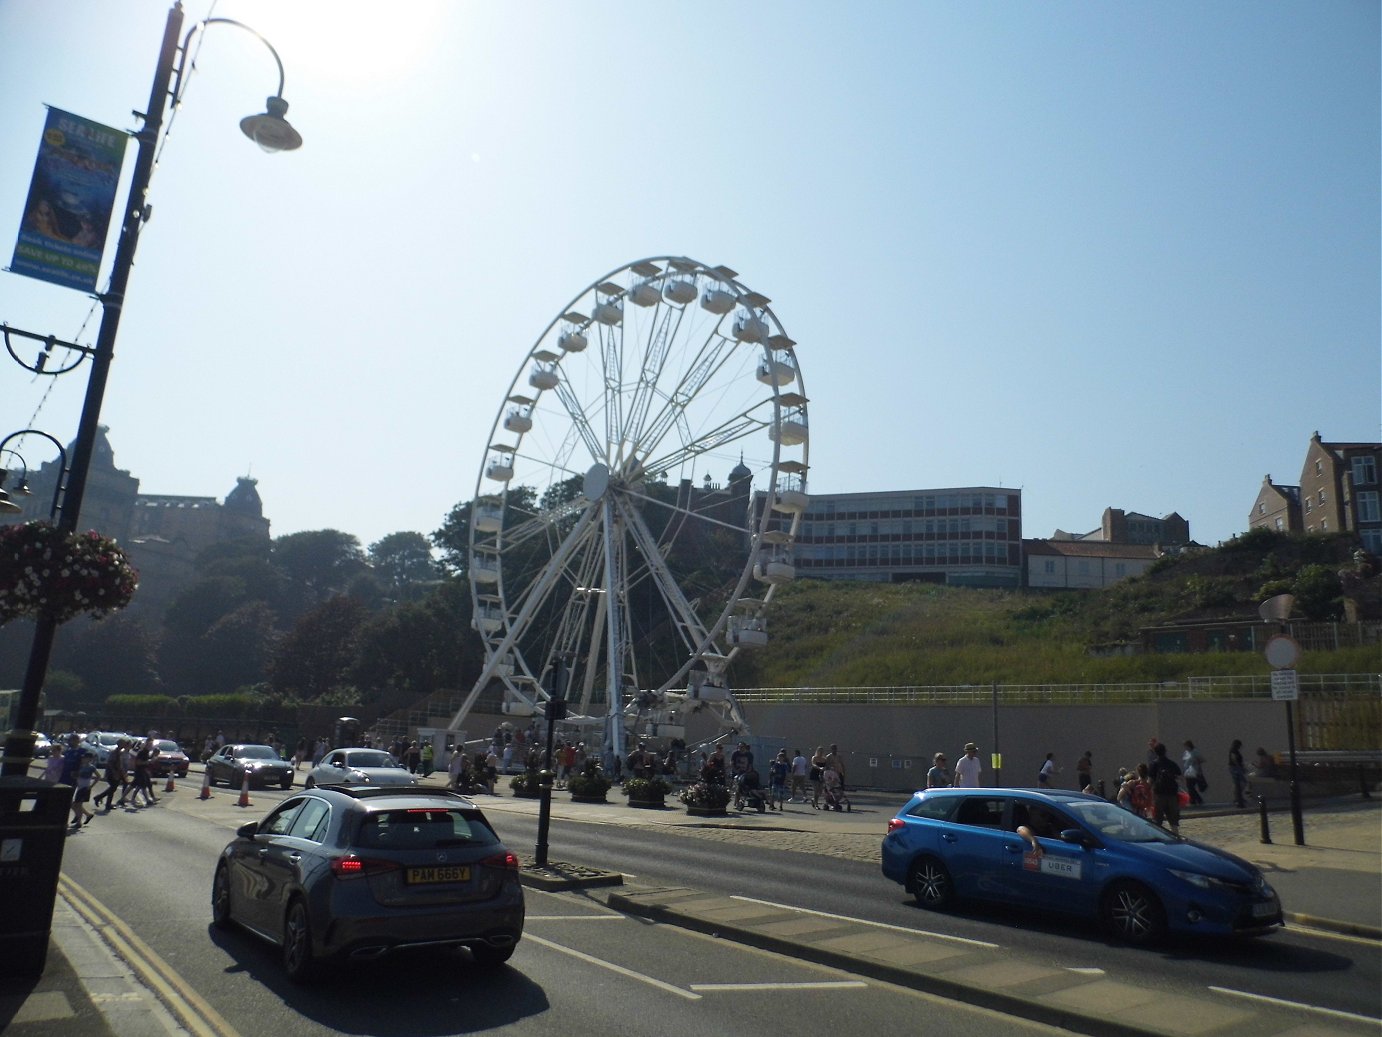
(354, 872)
(231, 763)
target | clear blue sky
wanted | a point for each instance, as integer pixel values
(1115, 254)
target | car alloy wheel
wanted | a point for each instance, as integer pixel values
(1132, 913)
(931, 883)
(220, 898)
(297, 944)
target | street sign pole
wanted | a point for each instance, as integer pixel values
(1283, 652)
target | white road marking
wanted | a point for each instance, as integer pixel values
(1086, 972)
(630, 973)
(1305, 930)
(865, 921)
(842, 984)
(575, 918)
(1318, 1009)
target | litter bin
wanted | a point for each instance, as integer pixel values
(33, 831)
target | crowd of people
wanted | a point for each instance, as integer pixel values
(128, 773)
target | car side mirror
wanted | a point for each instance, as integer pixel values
(1079, 837)
(247, 830)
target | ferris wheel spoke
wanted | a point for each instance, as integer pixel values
(580, 423)
(654, 361)
(741, 427)
(712, 355)
(689, 626)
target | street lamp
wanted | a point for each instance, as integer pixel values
(272, 133)
(22, 487)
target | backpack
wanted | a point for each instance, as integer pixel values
(1141, 796)
(1165, 782)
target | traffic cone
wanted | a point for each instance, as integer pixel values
(206, 785)
(245, 791)
(169, 787)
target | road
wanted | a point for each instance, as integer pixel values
(594, 970)
(151, 869)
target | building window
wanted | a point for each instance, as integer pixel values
(1262, 507)
(1322, 498)
(1280, 525)
(1372, 540)
(1364, 471)
(1308, 506)
(1319, 466)
(1368, 510)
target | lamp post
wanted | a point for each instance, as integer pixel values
(272, 133)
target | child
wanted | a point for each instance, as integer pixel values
(777, 780)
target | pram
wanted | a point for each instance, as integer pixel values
(748, 793)
(834, 792)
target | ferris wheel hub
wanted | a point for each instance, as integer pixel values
(596, 482)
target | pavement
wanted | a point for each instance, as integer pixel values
(1332, 883)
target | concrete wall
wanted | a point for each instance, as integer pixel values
(890, 747)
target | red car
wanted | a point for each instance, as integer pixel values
(170, 759)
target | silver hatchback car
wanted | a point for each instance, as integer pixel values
(354, 872)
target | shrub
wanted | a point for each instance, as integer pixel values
(706, 794)
(590, 782)
(647, 789)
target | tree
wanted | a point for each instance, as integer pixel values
(113, 656)
(1317, 590)
(237, 648)
(319, 651)
(318, 563)
(403, 563)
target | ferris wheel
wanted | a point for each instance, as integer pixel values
(637, 502)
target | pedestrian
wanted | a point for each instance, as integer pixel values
(412, 757)
(220, 739)
(300, 756)
(1135, 793)
(968, 768)
(1152, 743)
(777, 779)
(320, 749)
(1165, 775)
(837, 760)
(115, 776)
(817, 775)
(800, 768)
(1047, 771)
(143, 772)
(1238, 772)
(938, 777)
(1083, 771)
(1192, 766)
(428, 754)
(86, 777)
(740, 761)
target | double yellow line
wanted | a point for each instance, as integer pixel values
(191, 1010)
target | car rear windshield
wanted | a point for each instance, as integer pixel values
(371, 758)
(423, 828)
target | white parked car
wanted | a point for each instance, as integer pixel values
(359, 767)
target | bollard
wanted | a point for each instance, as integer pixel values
(1262, 817)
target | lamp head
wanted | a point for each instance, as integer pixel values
(271, 131)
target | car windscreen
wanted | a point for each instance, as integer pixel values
(256, 752)
(371, 758)
(423, 828)
(1111, 821)
(166, 745)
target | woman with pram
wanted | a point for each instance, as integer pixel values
(748, 791)
(833, 789)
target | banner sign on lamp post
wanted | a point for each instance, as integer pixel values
(71, 197)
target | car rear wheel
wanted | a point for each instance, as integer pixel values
(298, 962)
(220, 898)
(487, 955)
(930, 883)
(1132, 913)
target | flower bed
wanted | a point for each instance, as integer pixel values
(45, 572)
(705, 799)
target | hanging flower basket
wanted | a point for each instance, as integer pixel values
(45, 572)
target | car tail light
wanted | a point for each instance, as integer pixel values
(353, 867)
(505, 860)
(895, 823)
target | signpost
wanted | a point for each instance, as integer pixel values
(1283, 652)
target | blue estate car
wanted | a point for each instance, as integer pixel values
(1073, 853)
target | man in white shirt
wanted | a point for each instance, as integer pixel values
(967, 768)
(799, 767)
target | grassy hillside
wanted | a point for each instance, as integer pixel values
(834, 634)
